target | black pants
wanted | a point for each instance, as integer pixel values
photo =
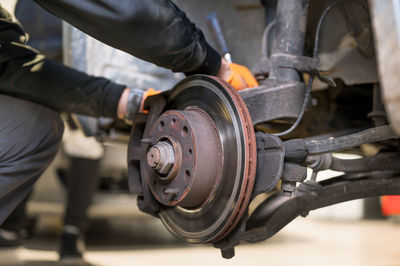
(81, 183)
(30, 135)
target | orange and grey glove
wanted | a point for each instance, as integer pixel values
(135, 103)
(146, 94)
(241, 77)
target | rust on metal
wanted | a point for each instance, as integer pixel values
(250, 163)
(210, 193)
(186, 175)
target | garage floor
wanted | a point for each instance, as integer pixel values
(144, 241)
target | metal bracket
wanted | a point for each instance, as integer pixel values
(300, 63)
(274, 99)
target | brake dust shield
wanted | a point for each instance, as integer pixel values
(200, 159)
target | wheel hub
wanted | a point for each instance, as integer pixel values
(184, 164)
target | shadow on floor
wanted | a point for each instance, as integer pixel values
(122, 234)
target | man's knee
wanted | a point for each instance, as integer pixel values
(28, 130)
(47, 130)
(47, 127)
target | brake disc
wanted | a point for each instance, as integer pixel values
(201, 160)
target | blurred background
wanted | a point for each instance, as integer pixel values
(117, 233)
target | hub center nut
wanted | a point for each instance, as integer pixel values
(161, 157)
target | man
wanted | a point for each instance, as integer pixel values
(33, 88)
(80, 179)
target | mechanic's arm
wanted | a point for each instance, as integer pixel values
(153, 30)
(27, 74)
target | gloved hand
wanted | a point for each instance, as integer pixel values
(238, 76)
(131, 103)
(241, 77)
(147, 93)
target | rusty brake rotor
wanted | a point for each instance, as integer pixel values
(201, 159)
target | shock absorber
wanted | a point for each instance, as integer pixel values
(290, 31)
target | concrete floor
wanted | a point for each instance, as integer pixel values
(307, 241)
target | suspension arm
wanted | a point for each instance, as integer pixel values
(275, 213)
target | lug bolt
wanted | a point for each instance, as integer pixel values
(172, 191)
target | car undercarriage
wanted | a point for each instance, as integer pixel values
(204, 153)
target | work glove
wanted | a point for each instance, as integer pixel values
(135, 103)
(146, 94)
(241, 77)
(237, 75)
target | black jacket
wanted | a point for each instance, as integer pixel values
(153, 30)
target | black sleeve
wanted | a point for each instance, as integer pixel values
(153, 30)
(27, 74)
